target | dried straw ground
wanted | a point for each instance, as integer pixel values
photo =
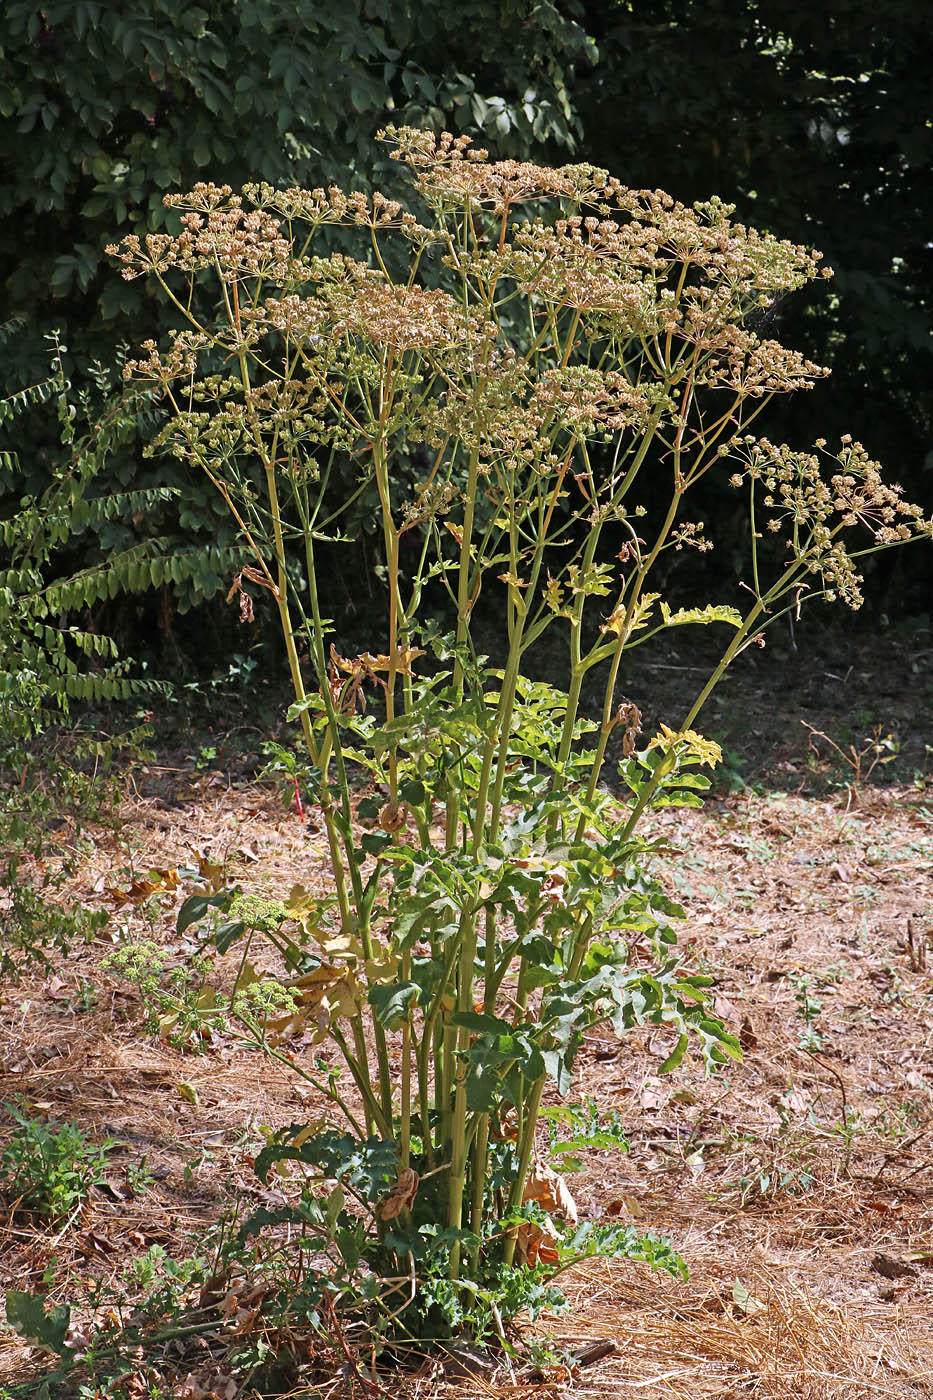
(810, 1249)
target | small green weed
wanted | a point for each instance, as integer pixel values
(729, 776)
(808, 1009)
(31, 925)
(850, 766)
(139, 1177)
(205, 757)
(47, 1170)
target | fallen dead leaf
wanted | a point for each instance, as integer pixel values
(746, 1302)
(747, 1037)
(535, 1244)
(887, 1267)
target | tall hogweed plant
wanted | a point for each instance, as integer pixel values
(548, 337)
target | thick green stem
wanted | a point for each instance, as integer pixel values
(499, 739)
(526, 1148)
(358, 1065)
(396, 612)
(445, 1058)
(423, 1059)
(404, 1138)
(479, 1168)
(333, 724)
(464, 605)
(438, 1038)
(458, 1148)
(577, 669)
(294, 666)
(361, 923)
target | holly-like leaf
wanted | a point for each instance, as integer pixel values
(392, 1004)
(26, 1314)
(197, 905)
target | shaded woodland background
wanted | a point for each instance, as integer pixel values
(815, 121)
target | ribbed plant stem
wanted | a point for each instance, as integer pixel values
(526, 1148)
(458, 1144)
(480, 1167)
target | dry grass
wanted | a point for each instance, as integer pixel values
(810, 1249)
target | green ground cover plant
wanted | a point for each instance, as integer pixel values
(547, 338)
(48, 1170)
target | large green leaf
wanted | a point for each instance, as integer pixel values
(26, 1314)
(393, 1004)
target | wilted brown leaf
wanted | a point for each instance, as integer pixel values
(548, 1188)
(626, 1205)
(393, 816)
(402, 1195)
(213, 874)
(747, 1037)
(152, 883)
(534, 1245)
(206, 1384)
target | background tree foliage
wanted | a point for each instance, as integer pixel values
(816, 122)
(106, 108)
(816, 125)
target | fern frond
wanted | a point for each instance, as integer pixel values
(15, 404)
(139, 568)
(12, 326)
(120, 505)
